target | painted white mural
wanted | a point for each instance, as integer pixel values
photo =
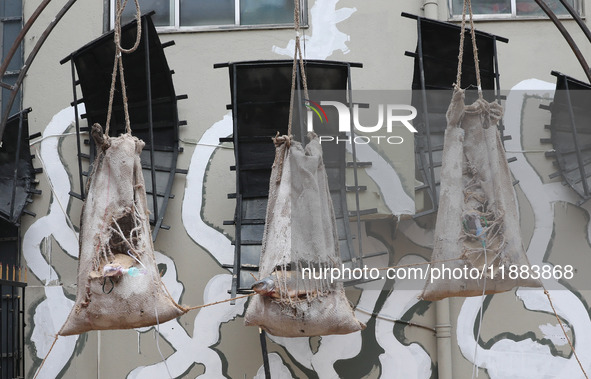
(325, 38)
(53, 311)
(504, 359)
(527, 358)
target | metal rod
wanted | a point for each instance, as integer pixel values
(10, 325)
(29, 61)
(77, 122)
(567, 37)
(150, 121)
(265, 353)
(432, 185)
(23, 330)
(355, 177)
(576, 139)
(16, 162)
(575, 15)
(21, 36)
(238, 212)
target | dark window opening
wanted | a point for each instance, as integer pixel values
(153, 119)
(435, 68)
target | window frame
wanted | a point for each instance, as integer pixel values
(578, 5)
(177, 28)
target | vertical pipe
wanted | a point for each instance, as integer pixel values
(150, 121)
(432, 185)
(431, 9)
(443, 334)
(77, 122)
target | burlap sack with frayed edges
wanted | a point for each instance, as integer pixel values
(300, 232)
(115, 290)
(477, 220)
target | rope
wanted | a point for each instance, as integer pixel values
(221, 301)
(564, 332)
(297, 60)
(157, 330)
(46, 355)
(468, 7)
(118, 62)
(392, 319)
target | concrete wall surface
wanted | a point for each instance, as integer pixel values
(405, 337)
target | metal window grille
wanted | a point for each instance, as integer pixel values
(17, 174)
(435, 66)
(12, 304)
(570, 133)
(260, 93)
(152, 108)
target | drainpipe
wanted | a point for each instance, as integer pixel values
(430, 9)
(443, 334)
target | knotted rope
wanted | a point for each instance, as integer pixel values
(297, 60)
(468, 7)
(118, 62)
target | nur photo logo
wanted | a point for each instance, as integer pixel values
(389, 117)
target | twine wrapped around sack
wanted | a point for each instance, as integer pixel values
(477, 221)
(300, 233)
(119, 286)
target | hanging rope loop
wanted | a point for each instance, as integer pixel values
(467, 8)
(298, 59)
(117, 29)
(118, 62)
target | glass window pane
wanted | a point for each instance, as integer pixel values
(161, 7)
(207, 12)
(255, 12)
(483, 7)
(530, 8)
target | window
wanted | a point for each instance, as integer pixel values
(503, 9)
(215, 14)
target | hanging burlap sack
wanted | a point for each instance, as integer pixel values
(477, 221)
(300, 233)
(119, 286)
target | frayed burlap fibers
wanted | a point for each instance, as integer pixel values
(477, 220)
(119, 286)
(300, 233)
